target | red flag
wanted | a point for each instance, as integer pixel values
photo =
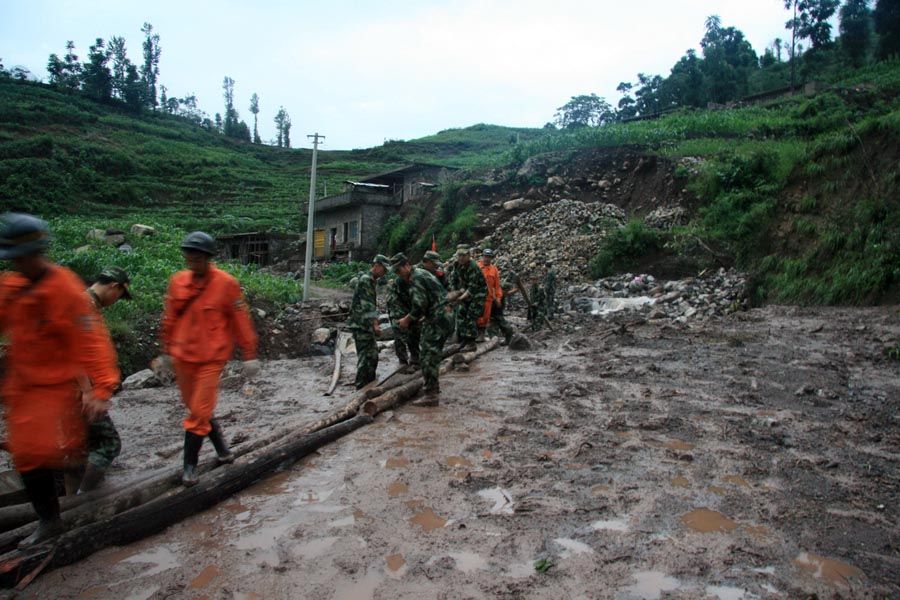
(433, 243)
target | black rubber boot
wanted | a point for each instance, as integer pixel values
(226, 456)
(192, 445)
(41, 490)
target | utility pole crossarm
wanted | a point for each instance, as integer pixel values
(310, 239)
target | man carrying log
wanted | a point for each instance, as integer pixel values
(431, 262)
(204, 314)
(363, 321)
(537, 308)
(428, 307)
(103, 442)
(54, 348)
(468, 291)
(406, 343)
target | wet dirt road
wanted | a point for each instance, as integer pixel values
(750, 457)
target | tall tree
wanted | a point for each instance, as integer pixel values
(218, 122)
(254, 108)
(287, 130)
(586, 110)
(855, 30)
(96, 77)
(626, 107)
(810, 21)
(150, 67)
(133, 94)
(65, 72)
(887, 26)
(280, 118)
(728, 60)
(120, 62)
(164, 98)
(232, 119)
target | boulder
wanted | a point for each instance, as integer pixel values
(140, 380)
(514, 204)
(162, 368)
(96, 234)
(556, 181)
(125, 248)
(142, 230)
(114, 239)
(519, 342)
(321, 335)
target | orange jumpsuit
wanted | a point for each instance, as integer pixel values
(54, 342)
(202, 320)
(494, 291)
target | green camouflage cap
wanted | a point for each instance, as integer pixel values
(381, 259)
(432, 256)
(462, 250)
(120, 276)
(398, 259)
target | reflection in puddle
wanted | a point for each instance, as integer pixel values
(679, 445)
(205, 576)
(610, 525)
(724, 592)
(833, 571)
(681, 481)
(163, 558)
(394, 562)
(718, 490)
(397, 462)
(737, 480)
(458, 461)
(572, 547)
(651, 584)
(397, 489)
(758, 531)
(704, 520)
(364, 589)
(503, 504)
(428, 520)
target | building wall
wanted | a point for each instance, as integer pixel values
(374, 217)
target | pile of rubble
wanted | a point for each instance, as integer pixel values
(704, 296)
(568, 232)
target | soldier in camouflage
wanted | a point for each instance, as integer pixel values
(428, 307)
(431, 262)
(467, 281)
(537, 310)
(363, 321)
(406, 342)
(550, 290)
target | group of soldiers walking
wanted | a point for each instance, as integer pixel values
(61, 367)
(427, 304)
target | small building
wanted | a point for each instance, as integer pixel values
(347, 225)
(256, 247)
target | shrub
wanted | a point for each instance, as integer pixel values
(624, 247)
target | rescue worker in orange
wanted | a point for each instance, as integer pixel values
(55, 350)
(205, 314)
(493, 302)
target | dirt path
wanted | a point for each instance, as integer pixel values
(751, 457)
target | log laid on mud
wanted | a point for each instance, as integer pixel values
(158, 514)
(336, 375)
(409, 389)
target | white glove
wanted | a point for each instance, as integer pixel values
(250, 368)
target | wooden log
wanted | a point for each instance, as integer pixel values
(158, 514)
(337, 368)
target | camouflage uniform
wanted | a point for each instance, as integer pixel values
(406, 343)
(537, 312)
(468, 276)
(550, 291)
(363, 313)
(429, 302)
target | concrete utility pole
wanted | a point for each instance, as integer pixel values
(310, 241)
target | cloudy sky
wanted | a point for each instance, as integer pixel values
(366, 71)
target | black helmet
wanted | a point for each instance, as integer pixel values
(199, 241)
(22, 235)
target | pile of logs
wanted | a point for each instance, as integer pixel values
(110, 517)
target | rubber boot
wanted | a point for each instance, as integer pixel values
(93, 476)
(225, 455)
(72, 479)
(40, 488)
(192, 445)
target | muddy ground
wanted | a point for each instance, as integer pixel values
(752, 456)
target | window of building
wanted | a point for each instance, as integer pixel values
(354, 232)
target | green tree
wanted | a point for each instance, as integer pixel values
(254, 108)
(164, 98)
(65, 73)
(150, 67)
(133, 93)
(728, 61)
(280, 118)
(887, 26)
(96, 77)
(4, 74)
(584, 111)
(120, 62)
(856, 30)
(647, 98)
(231, 123)
(809, 20)
(626, 106)
(685, 84)
(287, 130)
